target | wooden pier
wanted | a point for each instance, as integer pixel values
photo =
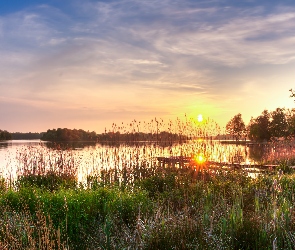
(184, 161)
(173, 161)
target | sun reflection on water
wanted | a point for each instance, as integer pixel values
(93, 160)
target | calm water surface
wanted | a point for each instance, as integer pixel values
(9, 151)
(18, 155)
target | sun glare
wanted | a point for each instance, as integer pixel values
(199, 159)
(200, 118)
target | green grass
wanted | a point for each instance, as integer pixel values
(170, 209)
(138, 204)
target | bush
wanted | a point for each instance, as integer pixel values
(158, 184)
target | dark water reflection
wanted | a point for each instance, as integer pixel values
(108, 154)
(70, 145)
(90, 157)
(257, 151)
(4, 145)
(117, 144)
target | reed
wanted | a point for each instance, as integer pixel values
(120, 196)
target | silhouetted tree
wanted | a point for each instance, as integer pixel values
(4, 135)
(25, 136)
(65, 134)
(236, 127)
(290, 118)
(292, 93)
(259, 128)
(278, 126)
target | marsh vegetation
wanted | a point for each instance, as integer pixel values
(119, 196)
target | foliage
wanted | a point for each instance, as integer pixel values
(146, 204)
(158, 184)
(21, 230)
(272, 125)
(66, 134)
(236, 127)
(50, 181)
(2, 184)
(170, 209)
(76, 211)
(290, 118)
(4, 135)
(278, 126)
(259, 128)
(26, 136)
(268, 125)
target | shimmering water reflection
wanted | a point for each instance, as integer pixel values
(19, 157)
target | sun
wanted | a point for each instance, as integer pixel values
(199, 158)
(200, 118)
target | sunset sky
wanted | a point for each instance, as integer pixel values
(86, 64)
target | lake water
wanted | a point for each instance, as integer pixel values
(19, 156)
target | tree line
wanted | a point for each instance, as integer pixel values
(279, 123)
(4, 135)
(65, 134)
(25, 136)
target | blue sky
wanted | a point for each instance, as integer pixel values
(86, 64)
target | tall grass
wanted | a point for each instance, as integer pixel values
(172, 210)
(121, 197)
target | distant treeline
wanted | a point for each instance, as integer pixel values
(65, 134)
(4, 135)
(26, 136)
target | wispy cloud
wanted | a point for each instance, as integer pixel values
(115, 54)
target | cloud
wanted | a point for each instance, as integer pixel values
(232, 43)
(133, 39)
(122, 54)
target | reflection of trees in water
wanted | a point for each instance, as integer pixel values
(82, 145)
(4, 145)
(163, 144)
(69, 145)
(213, 151)
(92, 157)
(256, 152)
(273, 152)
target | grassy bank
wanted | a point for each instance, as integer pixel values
(168, 209)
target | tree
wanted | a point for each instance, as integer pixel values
(25, 136)
(292, 93)
(4, 135)
(290, 118)
(259, 128)
(65, 134)
(278, 126)
(236, 127)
